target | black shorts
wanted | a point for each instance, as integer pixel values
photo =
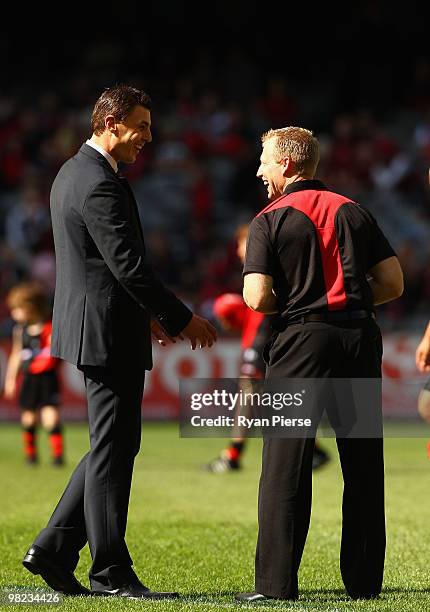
(38, 390)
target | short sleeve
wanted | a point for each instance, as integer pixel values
(380, 248)
(259, 249)
(356, 226)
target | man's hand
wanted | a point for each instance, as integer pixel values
(160, 335)
(199, 332)
(422, 355)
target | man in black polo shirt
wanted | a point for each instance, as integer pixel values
(322, 263)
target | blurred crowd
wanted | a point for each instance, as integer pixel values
(196, 181)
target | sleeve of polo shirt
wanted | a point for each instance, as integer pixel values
(356, 225)
(259, 249)
(380, 248)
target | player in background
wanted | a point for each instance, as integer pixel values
(422, 360)
(233, 314)
(31, 355)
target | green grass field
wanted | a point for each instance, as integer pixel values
(195, 532)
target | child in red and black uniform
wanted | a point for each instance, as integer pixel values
(256, 329)
(233, 314)
(31, 354)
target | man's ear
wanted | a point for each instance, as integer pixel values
(288, 167)
(110, 123)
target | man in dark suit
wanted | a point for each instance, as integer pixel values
(105, 299)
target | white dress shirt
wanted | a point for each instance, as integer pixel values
(105, 154)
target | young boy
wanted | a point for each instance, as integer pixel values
(233, 314)
(30, 354)
(422, 359)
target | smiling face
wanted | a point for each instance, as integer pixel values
(270, 171)
(131, 135)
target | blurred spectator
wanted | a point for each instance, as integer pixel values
(199, 179)
(28, 221)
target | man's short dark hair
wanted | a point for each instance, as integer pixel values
(118, 101)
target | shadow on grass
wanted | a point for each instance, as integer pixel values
(206, 595)
(384, 591)
(309, 596)
(340, 594)
(405, 590)
(323, 592)
(220, 597)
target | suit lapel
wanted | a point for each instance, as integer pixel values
(124, 182)
(91, 152)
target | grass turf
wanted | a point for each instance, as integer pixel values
(195, 532)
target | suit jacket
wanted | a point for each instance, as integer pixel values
(105, 289)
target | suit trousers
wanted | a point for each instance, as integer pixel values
(94, 505)
(350, 349)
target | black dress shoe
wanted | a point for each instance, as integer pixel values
(38, 561)
(252, 597)
(134, 591)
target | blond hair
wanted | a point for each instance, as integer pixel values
(31, 296)
(297, 143)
